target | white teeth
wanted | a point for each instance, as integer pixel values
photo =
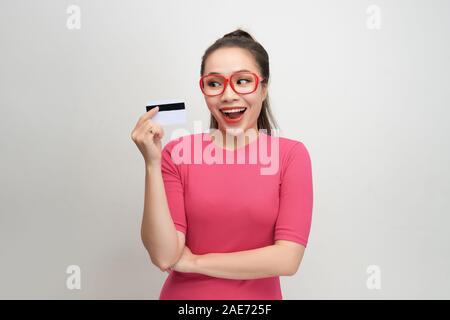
(233, 110)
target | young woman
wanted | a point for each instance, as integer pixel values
(221, 229)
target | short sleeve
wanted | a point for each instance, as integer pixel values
(174, 188)
(296, 197)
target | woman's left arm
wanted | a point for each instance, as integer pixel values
(280, 259)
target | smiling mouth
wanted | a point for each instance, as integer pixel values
(234, 114)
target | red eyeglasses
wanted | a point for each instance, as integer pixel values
(241, 83)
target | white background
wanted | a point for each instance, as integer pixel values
(371, 106)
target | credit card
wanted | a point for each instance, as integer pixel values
(170, 111)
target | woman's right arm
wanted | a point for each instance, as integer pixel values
(163, 242)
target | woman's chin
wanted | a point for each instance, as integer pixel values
(234, 130)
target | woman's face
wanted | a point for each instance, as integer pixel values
(227, 61)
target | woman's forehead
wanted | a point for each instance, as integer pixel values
(229, 60)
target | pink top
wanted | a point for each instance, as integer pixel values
(231, 206)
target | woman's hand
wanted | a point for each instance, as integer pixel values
(147, 135)
(186, 263)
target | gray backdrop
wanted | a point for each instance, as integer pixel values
(371, 105)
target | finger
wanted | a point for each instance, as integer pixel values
(142, 119)
(147, 115)
(156, 129)
(143, 129)
(145, 126)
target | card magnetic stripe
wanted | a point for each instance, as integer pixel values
(167, 107)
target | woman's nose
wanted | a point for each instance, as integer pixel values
(229, 93)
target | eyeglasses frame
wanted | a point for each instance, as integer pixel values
(227, 80)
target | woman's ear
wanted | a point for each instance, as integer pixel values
(264, 92)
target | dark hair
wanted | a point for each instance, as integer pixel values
(242, 39)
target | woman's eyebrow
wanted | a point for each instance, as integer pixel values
(232, 72)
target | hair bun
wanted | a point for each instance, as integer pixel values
(238, 33)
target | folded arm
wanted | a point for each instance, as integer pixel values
(280, 259)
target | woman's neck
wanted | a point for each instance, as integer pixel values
(235, 140)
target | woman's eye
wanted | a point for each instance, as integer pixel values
(247, 81)
(211, 84)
